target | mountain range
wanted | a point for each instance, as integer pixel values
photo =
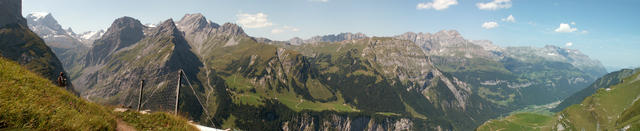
(348, 81)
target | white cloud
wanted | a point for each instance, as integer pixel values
(573, 23)
(510, 18)
(494, 5)
(585, 31)
(489, 25)
(564, 27)
(319, 0)
(258, 20)
(568, 44)
(284, 29)
(437, 4)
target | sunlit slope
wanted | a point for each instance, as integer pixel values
(612, 108)
(29, 101)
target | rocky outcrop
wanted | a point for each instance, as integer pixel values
(337, 122)
(447, 43)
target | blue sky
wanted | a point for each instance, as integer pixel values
(606, 30)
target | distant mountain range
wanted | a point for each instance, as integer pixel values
(413, 81)
(46, 26)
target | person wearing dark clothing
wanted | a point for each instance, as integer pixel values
(62, 80)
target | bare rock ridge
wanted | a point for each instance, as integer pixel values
(192, 24)
(195, 23)
(123, 32)
(328, 38)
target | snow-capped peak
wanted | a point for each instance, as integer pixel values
(92, 34)
(151, 25)
(39, 15)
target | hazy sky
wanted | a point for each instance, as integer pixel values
(606, 30)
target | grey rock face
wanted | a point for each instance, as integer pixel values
(337, 122)
(231, 29)
(328, 38)
(553, 53)
(198, 31)
(11, 12)
(123, 32)
(191, 23)
(447, 43)
(46, 26)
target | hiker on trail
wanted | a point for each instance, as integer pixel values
(62, 80)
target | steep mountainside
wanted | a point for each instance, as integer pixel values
(512, 75)
(606, 81)
(30, 102)
(614, 107)
(18, 43)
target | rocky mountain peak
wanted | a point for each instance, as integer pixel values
(448, 34)
(124, 23)
(125, 29)
(296, 41)
(124, 32)
(195, 22)
(45, 24)
(168, 27)
(70, 31)
(11, 13)
(231, 29)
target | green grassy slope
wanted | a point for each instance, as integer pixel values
(19, 44)
(613, 108)
(601, 110)
(603, 82)
(519, 121)
(28, 101)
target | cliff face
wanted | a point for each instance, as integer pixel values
(20, 44)
(337, 122)
(11, 13)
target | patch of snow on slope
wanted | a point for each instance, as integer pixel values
(89, 35)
